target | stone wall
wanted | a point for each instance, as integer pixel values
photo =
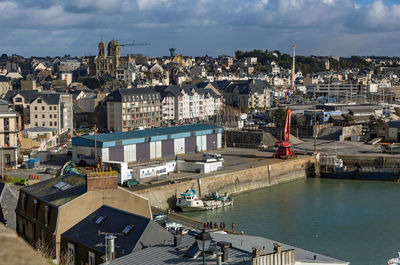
(234, 182)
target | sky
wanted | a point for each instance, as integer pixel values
(200, 27)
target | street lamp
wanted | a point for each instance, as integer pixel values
(203, 242)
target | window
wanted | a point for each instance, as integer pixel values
(92, 258)
(35, 116)
(43, 116)
(71, 254)
(35, 207)
(46, 215)
(127, 229)
(18, 100)
(55, 123)
(55, 115)
(35, 108)
(51, 123)
(43, 124)
(36, 124)
(43, 107)
(39, 101)
(51, 116)
(55, 107)
(23, 201)
(100, 220)
(50, 108)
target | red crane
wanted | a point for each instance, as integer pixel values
(284, 149)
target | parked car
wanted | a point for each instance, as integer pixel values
(131, 182)
(69, 153)
(176, 230)
(182, 231)
(48, 170)
(159, 217)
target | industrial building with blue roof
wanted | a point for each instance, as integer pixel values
(146, 145)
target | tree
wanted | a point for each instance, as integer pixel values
(279, 116)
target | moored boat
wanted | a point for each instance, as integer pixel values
(189, 201)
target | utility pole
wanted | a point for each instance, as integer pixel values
(315, 132)
(95, 145)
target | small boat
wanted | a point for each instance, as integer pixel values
(394, 261)
(189, 201)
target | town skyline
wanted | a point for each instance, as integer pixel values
(323, 28)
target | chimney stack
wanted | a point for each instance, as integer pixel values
(224, 249)
(177, 240)
(277, 248)
(101, 180)
(110, 249)
(256, 252)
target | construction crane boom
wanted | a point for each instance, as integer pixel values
(284, 149)
(135, 44)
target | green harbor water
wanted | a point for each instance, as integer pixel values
(355, 221)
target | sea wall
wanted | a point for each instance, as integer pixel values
(371, 161)
(234, 182)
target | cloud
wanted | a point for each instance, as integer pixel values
(197, 26)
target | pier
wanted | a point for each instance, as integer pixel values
(263, 172)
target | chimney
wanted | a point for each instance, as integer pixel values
(224, 249)
(110, 253)
(219, 258)
(177, 240)
(256, 252)
(277, 248)
(101, 180)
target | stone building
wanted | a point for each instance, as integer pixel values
(109, 59)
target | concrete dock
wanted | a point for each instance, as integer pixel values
(244, 169)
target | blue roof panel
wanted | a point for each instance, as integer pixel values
(120, 136)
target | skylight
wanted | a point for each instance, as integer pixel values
(59, 185)
(66, 186)
(127, 229)
(100, 220)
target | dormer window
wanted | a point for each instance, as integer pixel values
(39, 101)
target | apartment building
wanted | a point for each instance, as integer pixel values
(189, 103)
(50, 110)
(249, 94)
(130, 109)
(5, 84)
(9, 129)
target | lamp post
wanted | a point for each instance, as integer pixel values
(203, 242)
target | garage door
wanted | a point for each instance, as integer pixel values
(212, 142)
(190, 145)
(167, 149)
(143, 152)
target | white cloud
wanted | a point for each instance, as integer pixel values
(280, 21)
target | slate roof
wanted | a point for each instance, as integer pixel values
(247, 87)
(239, 253)
(118, 95)
(46, 191)
(118, 136)
(3, 78)
(31, 95)
(145, 232)
(39, 129)
(177, 90)
(8, 203)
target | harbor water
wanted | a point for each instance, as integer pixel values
(355, 221)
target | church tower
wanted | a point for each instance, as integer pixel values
(113, 49)
(102, 49)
